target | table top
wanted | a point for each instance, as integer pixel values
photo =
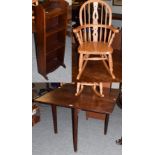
(87, 100)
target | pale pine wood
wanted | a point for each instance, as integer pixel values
(95, 48)
(105, 32)
(100, 93)
(101, 48)
(92, 4)
(110, 36)
(111, 66)
(35, 2)
(80, 87)
(82, 64)
(95, 35)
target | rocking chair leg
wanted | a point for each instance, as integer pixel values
(82, 65)
(98, 93)
(111, 66)
(79, 89)
(101, 88)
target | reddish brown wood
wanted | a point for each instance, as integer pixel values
(51, 24)
(106, 123)
(95, 115)
(36, 116)
(54, 113)
(75, 127)
(87, 101)
(35, 120)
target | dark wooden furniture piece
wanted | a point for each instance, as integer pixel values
(34, 3)
(119, 104)
(87, 101)
(35, 114)
(35, 107)
(51, 23)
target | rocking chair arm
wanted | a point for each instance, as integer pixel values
(115, 30)
(77, 29)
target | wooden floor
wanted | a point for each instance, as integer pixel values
(95, 71)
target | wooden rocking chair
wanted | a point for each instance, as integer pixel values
(95, 35)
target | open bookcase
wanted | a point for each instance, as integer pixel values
(51, 24)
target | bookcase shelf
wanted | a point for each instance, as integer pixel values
(57, 29)
(51, 25)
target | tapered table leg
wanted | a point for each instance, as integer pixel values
(106, 123)
(35, 39)
(54, 114)
(75, 127)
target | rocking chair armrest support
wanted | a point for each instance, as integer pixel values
(115, 30)
(76, 32)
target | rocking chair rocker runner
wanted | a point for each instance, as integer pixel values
(80, 87)
(95, 35)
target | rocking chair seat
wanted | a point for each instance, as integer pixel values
(95, 48)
